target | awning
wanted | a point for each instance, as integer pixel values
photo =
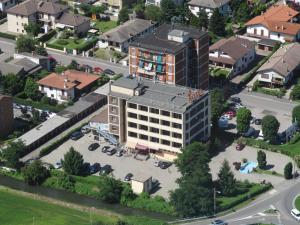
(141, 147)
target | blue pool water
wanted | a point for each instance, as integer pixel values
(248, 167)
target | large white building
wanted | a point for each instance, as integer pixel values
(209, 6)
(157, 118)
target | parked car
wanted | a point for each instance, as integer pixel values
(231, 113)
(128, 177)
(104, 149)
(105, 170)
(57, 165)
(296, 214)
(218, 222)
(165, 165)
(93, 146)
(85, 129)
(119, 153)
(157, 163)
(227, 116)
(155, 183)
(252, 120)
(76, 135)
(235, 99)
(250, 132)
(260, 135)
(111, 151)
(95, 168)
(240, 147)
(109, 72)
(238, 106)
(257, 121)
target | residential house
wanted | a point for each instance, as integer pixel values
(19, 67)
(209, 6)
(277, 23)
(157, 118)
(172, 54)
(233, 53)
(77, 23)
(66, 86)
(114, 6)
(120, 37)
(6, 115)
(281, 66)
(157, 2)
(6, 4)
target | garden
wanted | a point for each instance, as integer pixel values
(104, 26)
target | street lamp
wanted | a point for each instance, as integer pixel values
(215, 204)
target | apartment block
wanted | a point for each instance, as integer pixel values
(6, 115)
(156, 117)
(172, 54)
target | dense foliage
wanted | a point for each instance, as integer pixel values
(270, 126)
(243, 118)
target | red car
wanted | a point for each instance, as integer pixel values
(240, 147)
(98, 70)
(231, 113)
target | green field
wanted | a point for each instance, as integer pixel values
(16, 209)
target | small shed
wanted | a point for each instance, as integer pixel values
(141, 182)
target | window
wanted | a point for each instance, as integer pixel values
(133, 51)
(132, 134)
(154, 130)
(176, 115)
(164, 113)
(114, 110)
(134, 125)
(144, 118)
(154, 139)
(176, 145)
(143, 127)
(165, 123)
(165, 132)
(114, 128)
(114, 119)
(176, 135)
(165, 142)
(144, 137)
(176, 125)
(154, 120)
(143, 108)
(187, 116)
(114, 100)
(132, 115)
(155, 111)
(132, 106)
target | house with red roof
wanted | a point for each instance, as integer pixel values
(67, 85)
(278, 23)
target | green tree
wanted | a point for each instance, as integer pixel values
(296, 114)
(217, 24)
(25, 44)
(73, 65)
(243, 118)
(295, 93)
(153, 12)
(127, 195)
(270, 126)
(11, 84)
(139, 9)
(261, 159)
(123, 15)
(217, 105)
(243, 13)
(73, 162)
(288, 171)
(40, 50)
(36, 117)
(203, 19)
(110, 189)
(32, 29)
(31, 89)
(168, 9)
(194, 21)
(35, 173)
(226, 180)
(12, 154)
(86, 8)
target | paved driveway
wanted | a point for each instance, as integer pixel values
(121, 165)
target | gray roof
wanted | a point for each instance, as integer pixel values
(127, 30)
(50, 7)
(72, 19)
(284, 60)
(158, 39)
(268, 42)
(25, 8)
(27, 64)
(6, 68)
(158, 95)
(212, 4)
(141, 177)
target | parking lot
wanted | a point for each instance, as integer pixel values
(120, 165)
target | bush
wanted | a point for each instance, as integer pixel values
(295, 93)
(261, 159)
(39, 105)
(46, 37)
(288, 171)
(110, 190)
(87, 45)
(73, 162)
(35, 173)
(8, 36)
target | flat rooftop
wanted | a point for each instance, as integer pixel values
(168, 97)
(157, 40)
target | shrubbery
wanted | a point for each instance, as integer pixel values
(35, 173)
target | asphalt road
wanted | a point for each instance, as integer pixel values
(8, 46)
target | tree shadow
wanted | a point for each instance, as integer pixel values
(269, 166)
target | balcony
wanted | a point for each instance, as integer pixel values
(152, 58)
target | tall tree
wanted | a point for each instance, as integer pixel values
(25, 44)
(35, 173)
(288, 171)
(31, 89)
(11, 84)
(40, 50)
(270, 126)
(139, 9)
(203, 19)
(217, 24)
(73, 162)
(168, 9)
(217, 105)
(153, 12)
(12, 154)
(123, 15)
(243, 118)
(110, 189)
(32, 29)
(261, 159)
(296, 114)
(226, 180)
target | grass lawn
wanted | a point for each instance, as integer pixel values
(106, 54)
(268, 172)
(16, 209)
(220, 72)
(104, 26)
(297, 203)
(71, 43)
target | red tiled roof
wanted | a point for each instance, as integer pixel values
(68, 80)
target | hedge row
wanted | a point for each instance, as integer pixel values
(57, 143)
(8, 36)
(55, 46)
(39, 105)
(88, 45)
(48, 36)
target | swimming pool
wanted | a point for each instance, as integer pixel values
(248, 167)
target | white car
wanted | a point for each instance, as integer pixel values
(226, 116)
(296, 214)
